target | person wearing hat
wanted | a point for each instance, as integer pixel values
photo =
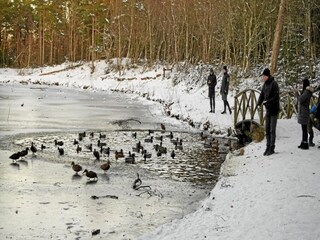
(269, 97)
(225, 89)
(304, 111)
(212, 82)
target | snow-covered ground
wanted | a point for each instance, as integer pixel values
(257, 197)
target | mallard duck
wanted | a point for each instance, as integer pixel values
(101, 144)
(134, 135)
(15, 156)
(59, 143)
(61, 151)
(96, 154)
(173, 154)
(146, 155)
(102, 135)
(90, 174)
(24, 152)
(89, 147)
(105, 166)
(33, 148)
(105, 151)
(130, 159)
(149, 140)
(78, 149)
(82, 135)
(119, 154)
(170, 135)
(76, 167)
(163, 127)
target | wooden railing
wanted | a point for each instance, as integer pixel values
(245, 106)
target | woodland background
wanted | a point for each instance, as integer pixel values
(234, 32)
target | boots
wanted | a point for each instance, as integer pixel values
(304, 145)
(311, 144)
(271, 151)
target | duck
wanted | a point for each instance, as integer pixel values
(162, 149)
(59, 143)
(75, 142)
(163, 127)
(24, 152)
(173, 154)
(96, 154)
(149, 140)
(170, 135)
(105, 150)
(101, 144)
(76, 167)
(90, 174)
(43, 147)
(134, 135)
(33, 148)
(102, 135)
(82, 135)
(174, 141)
(61, 151)
(105, 166)
(89, 147)
(15, 156)
(130, 158)
(146, 155)
(78, 149)
(119, 154)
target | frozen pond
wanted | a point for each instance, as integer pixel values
(41, 197)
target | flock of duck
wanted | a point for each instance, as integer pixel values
(101, 144)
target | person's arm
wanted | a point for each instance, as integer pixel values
(214, 81)
(261, 97)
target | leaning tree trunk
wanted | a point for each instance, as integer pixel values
(277, 36)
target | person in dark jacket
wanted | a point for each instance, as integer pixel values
(269, 97)
(225, 89)
(304, 111)
(212, 82)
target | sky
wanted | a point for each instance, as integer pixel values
(256, 197)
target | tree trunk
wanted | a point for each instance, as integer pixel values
(277, 36)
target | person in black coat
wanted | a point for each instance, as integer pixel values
(304, 111)
(212, 82)
(269, 97)
(225, 89)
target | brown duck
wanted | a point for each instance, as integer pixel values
(76, 167)
(91, 174)
(106, 166)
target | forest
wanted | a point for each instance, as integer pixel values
(239, 33)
